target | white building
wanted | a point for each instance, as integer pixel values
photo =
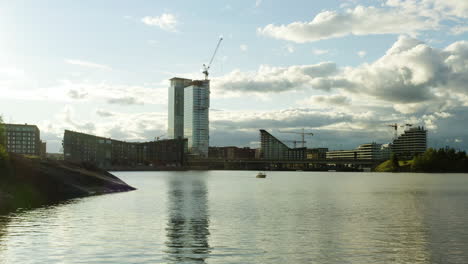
(371, 151)
(196, 117)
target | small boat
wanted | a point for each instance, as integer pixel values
(261, 175)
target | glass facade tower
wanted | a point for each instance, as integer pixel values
(175, 128)
(196, 117)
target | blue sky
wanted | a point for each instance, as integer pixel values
(343, 69)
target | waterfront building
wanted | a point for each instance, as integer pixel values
(107, 153)
(412, 142)
(316, 153)
(274, 149)
(175, 128)
(196, 117)
(23, 139)
(231, 153)
(371, 151)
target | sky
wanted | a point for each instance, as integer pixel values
(343, 70)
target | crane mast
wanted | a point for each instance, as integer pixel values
(207, 67)
(303, 134)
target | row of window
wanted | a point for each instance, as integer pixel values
(9, 128)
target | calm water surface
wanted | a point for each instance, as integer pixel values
(232, 217)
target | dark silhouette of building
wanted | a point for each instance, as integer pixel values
(107, 153)
(231, 153)
(273, 149)
(411, 143)
(23, 139)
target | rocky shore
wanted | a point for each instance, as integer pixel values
(30, 182)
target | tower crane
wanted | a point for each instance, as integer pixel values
(157, 138)
(303, 134)
(407, 125)
(294, 142)
(207, 67)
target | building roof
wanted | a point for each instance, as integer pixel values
(178, 78)
(27, 125)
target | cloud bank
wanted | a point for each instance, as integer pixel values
(410, 17)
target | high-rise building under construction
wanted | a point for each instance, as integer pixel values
(189, 102)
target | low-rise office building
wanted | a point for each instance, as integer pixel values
(22, 139)
(107, 152)
(231, 153)
(316, 153)
(371, 151)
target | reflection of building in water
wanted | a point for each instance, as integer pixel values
(188, 224)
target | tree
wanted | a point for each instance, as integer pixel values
(395, 162)
(3, 152)
(2, 132)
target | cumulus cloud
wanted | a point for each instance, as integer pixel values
(276, 79)
(419, 16)
(358, 21)
(88, 64)
(165, 21)
(412, 76)
(243, 47)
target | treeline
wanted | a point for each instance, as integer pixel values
(442, 160)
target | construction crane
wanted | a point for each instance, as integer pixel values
(303, 134)
(407, 125)
(157, 138)
(294, 142)
(207, 67)
(395, 127)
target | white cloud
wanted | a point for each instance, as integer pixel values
(275, 79)
(104, 113)
(419, 16)
(411, 77)
(447, 9)
(358, 21)
(258, 3)
(458, 30)
(335, 100)
(243, 47)
(290, 48)
(88, 64)
(320, 51)
(165, 21)
(362, 53)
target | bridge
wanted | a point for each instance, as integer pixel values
(262, 164)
